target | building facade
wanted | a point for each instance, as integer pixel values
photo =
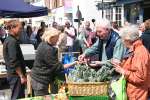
(133, 10)
(146, 7)
(120, 11)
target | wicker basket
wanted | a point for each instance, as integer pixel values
(88, 88)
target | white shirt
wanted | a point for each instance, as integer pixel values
(70, 39)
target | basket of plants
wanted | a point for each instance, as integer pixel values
(86, 81)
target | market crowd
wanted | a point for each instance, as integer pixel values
(125, 49)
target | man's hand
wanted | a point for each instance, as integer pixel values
(81, 58)
(95, 64)
(23, 79)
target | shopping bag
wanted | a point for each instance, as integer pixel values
(119, 88)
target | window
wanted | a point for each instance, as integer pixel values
(118, 15)
(109, 14)
(60, 3)
(114, 14)
(57, 3)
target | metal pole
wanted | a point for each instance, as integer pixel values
(102, 9)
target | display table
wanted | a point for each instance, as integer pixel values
(70, 98)
(89, 98)
(38, 98)
(3, 74)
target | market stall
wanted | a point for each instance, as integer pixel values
(20, 9)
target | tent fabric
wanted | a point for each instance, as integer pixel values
(20, 9)
(127, 1)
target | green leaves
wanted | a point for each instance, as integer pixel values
(83, 73)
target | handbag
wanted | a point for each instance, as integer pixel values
(119, 88)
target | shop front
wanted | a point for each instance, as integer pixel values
(133, 11)
(146, 6)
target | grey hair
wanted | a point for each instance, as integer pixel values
(105, 23)
(130, 32)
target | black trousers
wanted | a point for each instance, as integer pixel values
(41, 89)
(17, 89)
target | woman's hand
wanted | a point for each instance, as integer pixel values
(118, 68)
(70, 64)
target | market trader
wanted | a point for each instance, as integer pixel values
(14, 61)
(108, 45)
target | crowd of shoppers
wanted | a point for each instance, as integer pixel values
(126, 50)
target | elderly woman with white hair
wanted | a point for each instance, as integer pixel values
(136, 67)
(46, 65)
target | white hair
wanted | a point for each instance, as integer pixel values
(49, 33)
(130, 32)
(105, 23)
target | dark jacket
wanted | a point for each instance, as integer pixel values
(110, 45)
(13, 55)
(46, 65)
(146, 39)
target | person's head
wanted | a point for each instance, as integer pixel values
(114, 25)
(51, 36)
(43, 25)
(29, 30)
(103, 28)
(67, 24)
(23, 24)
(142, 27)
(129, 35)
(87, 25)
(54, 25)
(126, 23)
(14, 27)
(147, 24)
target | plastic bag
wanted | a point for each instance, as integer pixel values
(119, 87)
(68, 58)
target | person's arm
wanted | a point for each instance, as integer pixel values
(94, 49)
(119, 51)
(22, 77)
(71, 34)
(139, 74)
(52, 60)
(61, 36)
(69, 65)
(14, 61)
(86, 43)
